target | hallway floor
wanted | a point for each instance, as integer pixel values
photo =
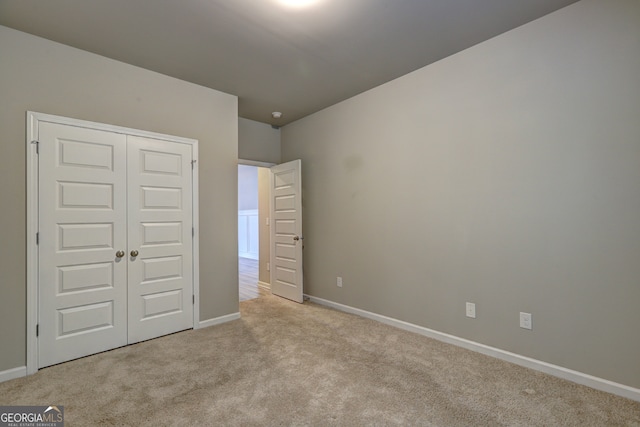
(248, 279)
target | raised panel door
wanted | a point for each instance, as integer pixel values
(82, 224)
(160, 226)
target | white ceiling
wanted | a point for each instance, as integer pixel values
(273, 57)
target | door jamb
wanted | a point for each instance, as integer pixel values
(33, 120)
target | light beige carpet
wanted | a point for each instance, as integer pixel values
(288, 364)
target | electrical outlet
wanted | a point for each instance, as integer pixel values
(525, 320)
(339, 281)
(471, 310)
(268, 266)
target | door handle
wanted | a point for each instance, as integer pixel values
(134, 253)
(296, 238)
(120, 254)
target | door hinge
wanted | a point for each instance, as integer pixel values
(193, 231)
(193, 162)
(37, 146)
(38, 238)
(37, 330)
(193, 299)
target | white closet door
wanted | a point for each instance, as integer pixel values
(82, 224)
(160, 250)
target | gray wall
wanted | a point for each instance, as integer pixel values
(39, 75)
(247, 187)
(507, 175)
(258, 141)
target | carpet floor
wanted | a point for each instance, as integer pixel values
(287, 364)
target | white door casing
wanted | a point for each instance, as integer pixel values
(160, 224)
(83, 284)
(79, 216)
(286, 231)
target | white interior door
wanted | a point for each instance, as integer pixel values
(82, 225)
(286, 230)
(160, 232)
(115, 250)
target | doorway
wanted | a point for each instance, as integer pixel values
(253, 230)
(279, 240)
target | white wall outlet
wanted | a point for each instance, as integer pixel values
(268, 266)
(471, 310)
(339, 281)
(525, 320)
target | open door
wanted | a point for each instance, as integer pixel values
(286, 230)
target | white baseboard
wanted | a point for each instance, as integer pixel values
(218, 320)
(11, 374)
(538, 365)
(264, 285)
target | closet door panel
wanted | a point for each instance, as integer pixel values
(82, 224)
(160, 241)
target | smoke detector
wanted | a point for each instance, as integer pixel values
(276, 114)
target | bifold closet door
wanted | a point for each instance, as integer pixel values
(160, 234)
(82, 226)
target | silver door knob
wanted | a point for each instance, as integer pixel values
(120, 254)
(134, 253)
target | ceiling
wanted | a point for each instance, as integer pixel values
(274, 57)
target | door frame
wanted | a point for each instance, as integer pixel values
(33, 120)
